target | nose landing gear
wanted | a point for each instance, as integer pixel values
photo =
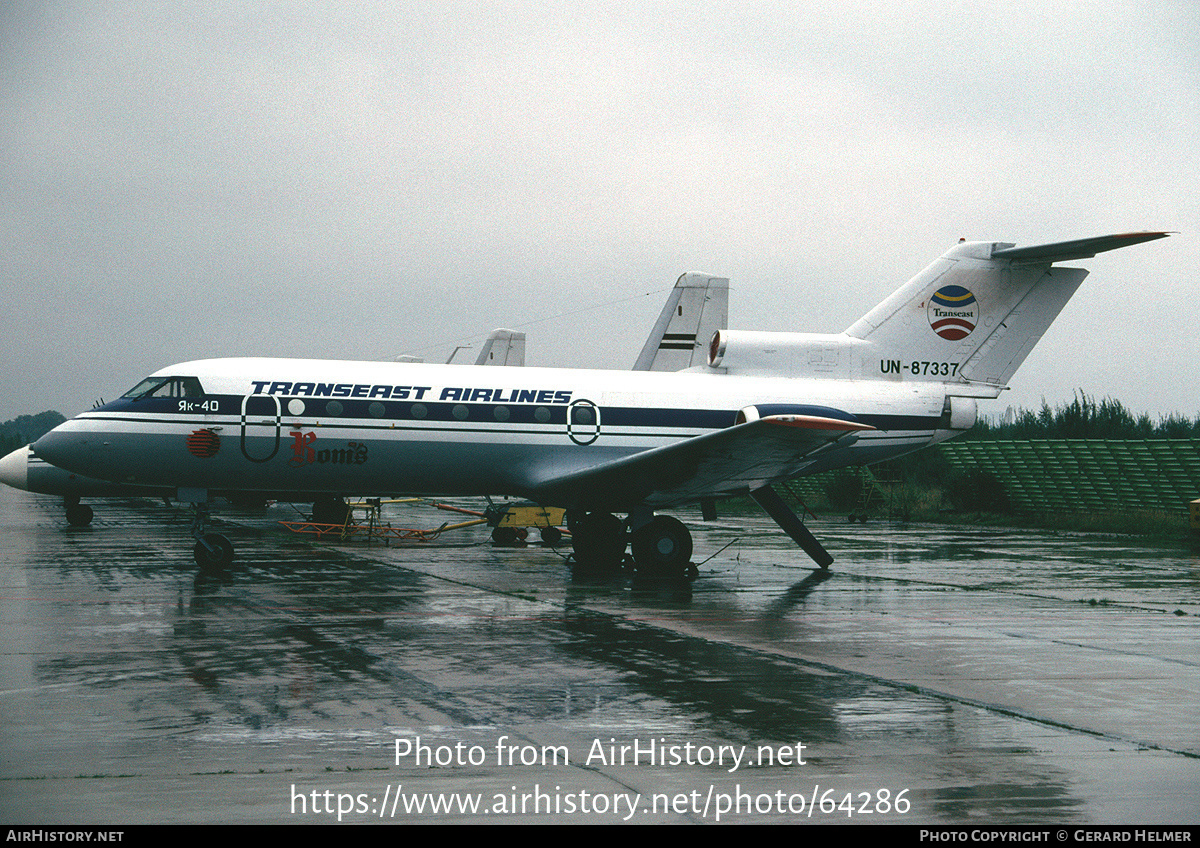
(213, 552)
(78, 515)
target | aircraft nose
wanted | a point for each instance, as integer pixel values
(57, 448)
(14, 469)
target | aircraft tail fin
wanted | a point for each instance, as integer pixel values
(976, 313)
(697, 307)
(503, 347)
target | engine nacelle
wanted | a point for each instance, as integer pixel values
(791, 354)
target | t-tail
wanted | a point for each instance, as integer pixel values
(969, 319)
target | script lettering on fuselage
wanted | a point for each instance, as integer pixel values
(303, 452)
(461, 394)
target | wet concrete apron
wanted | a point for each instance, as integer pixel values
(934, 675)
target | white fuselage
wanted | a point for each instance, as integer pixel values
(288, 426)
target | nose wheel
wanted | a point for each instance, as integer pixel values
(213, 552)
(78, 515)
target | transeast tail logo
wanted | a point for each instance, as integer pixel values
(953, 312)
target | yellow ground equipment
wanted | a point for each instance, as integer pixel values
(511, 522)
(363, 519)
(371, 525)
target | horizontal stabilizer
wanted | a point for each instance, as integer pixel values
(1064, 251)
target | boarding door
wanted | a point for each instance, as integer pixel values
(260, 427)
(583, 422)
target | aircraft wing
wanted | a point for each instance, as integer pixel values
(727, 462)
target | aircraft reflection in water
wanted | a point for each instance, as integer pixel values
(763, 408)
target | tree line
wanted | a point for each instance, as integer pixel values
(24, 429)
(1086, 418)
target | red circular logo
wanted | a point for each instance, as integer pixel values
(203, 443)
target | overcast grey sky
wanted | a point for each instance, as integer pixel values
(192, 179)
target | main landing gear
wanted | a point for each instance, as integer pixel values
(599, 539)
(661, 547)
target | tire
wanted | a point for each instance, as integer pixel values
(216, 555)
(662, 548)
(599, 539)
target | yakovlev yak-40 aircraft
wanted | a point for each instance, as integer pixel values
(765, 408)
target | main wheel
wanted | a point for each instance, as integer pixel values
(213, 552)
(662, 548)
(599, 539)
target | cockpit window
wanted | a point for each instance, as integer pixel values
(159, 387)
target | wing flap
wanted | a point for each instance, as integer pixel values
(727, 462)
